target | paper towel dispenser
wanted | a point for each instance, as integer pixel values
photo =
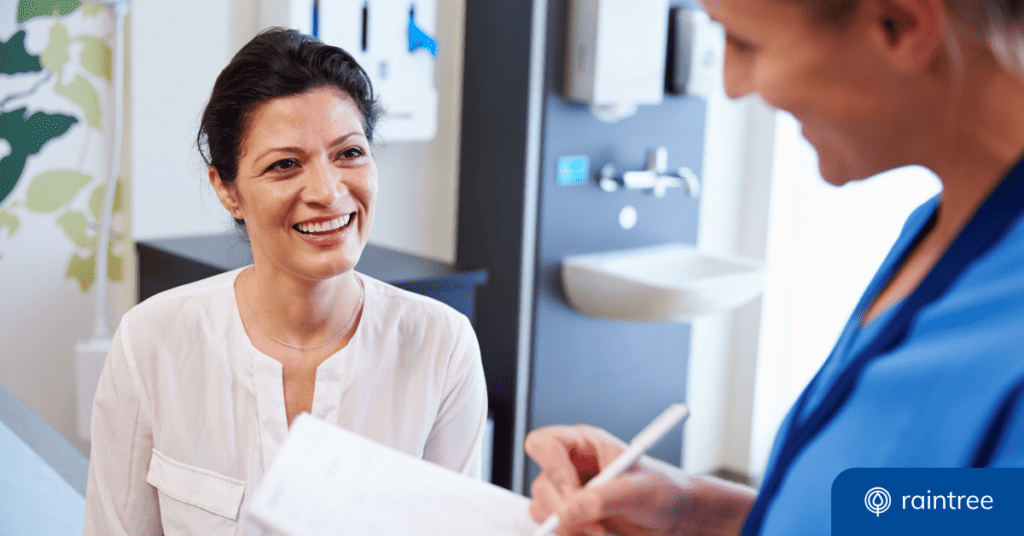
(615, 55)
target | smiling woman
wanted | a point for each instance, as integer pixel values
(203, 381)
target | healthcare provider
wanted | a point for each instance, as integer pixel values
(929, 371)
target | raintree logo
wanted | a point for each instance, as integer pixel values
(877, 500)
(927, 501)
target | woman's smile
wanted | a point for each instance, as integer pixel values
(326, 232)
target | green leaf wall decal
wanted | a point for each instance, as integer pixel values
(81, 93)
(29, 9)
(92, 9)
(55, 56)
(15, 59)
(74, 225)
(96, 55)
(27, 135)
(52, 190)
(10, 221)
(115, 267)
(82, 269)
(96, 199)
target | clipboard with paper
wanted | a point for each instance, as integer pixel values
(327, 480)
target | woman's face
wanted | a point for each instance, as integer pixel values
(834, 81)
(306, 184)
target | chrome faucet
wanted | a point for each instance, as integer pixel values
(654, 178)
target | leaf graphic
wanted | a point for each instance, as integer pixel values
(56, 54)
(115, 265)
(26, 135)
(74, 225)
(15, 59)
(96, 199)
(95, 56)
(82, 268)
(92, 9)
(29, 9)
(81, 93)
(54, 189)
(10, 221)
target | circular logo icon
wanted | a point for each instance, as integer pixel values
(877, 500)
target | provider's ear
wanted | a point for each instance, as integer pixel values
(226, 194)
(911, 32)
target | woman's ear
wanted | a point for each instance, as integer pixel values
(226, 194)
(911, 32)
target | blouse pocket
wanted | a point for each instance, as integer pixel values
(194, 500)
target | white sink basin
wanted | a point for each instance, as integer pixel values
(667, 282)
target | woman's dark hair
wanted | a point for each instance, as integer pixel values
(276, 63)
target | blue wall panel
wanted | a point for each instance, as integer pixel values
(613, 374)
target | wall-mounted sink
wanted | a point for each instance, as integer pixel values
(668, 282)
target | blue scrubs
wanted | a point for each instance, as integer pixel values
(936, 381)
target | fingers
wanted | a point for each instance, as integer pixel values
(560, 446)
(549, 448)
(644, 501)
(547, 500)
(568, 456)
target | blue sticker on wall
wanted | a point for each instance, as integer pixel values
(881, 502)
(573, 170)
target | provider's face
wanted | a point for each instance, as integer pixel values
(306, 184)
(831, 80)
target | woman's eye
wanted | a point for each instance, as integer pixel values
(283, 165)
(740, 46)
(352, 153)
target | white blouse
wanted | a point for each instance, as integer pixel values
(189, 414)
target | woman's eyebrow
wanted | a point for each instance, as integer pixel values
(344, 137)
(277, 149)
(291, 149)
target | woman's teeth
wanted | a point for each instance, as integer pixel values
(323, 226)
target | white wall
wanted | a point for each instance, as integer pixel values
(733, 218)
(178, 48)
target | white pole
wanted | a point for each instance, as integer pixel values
(100, 329)
(91, 354)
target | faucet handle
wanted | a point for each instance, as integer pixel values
(657, 160)
(691, 181)
(607, 181)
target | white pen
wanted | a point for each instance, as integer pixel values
(643, 441)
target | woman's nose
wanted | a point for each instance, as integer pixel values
(323, 185)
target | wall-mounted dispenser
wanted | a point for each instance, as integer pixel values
(394, 41)
(698, 50)
(615, 55)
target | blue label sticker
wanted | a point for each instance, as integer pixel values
(573, 170)
(880, 502)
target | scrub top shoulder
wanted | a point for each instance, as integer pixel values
(947, 395)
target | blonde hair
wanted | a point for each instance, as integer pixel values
(1005, 32)
(997, 23)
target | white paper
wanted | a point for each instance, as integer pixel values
(327, 480)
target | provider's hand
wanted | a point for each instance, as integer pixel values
(651, 498)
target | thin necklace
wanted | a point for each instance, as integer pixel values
(245, 300)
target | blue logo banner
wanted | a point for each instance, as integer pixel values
(881, 502)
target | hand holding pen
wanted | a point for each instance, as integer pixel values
(568, 455)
